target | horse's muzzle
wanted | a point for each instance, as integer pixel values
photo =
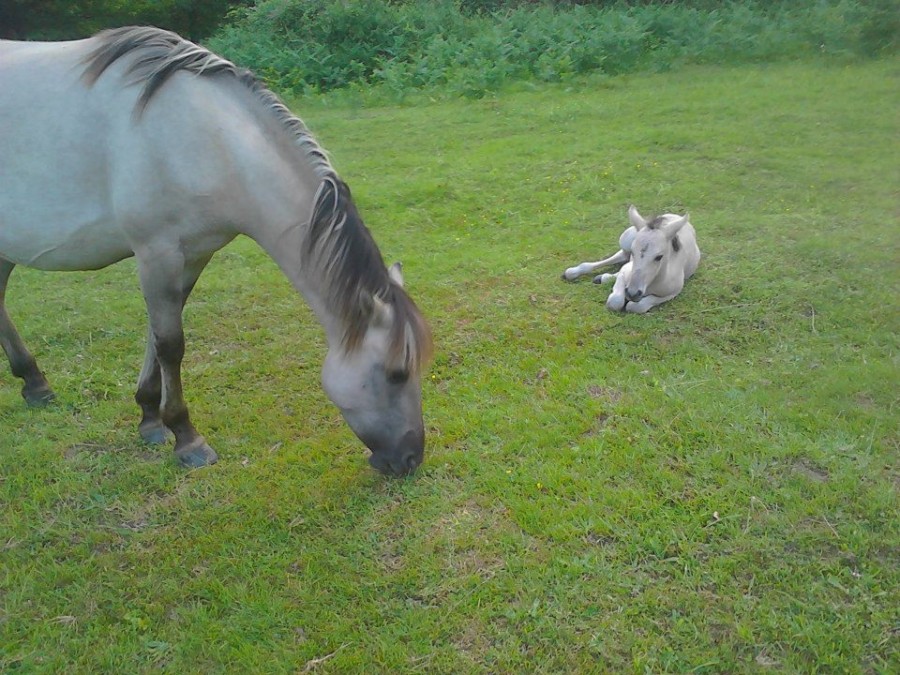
(633, 296)
(404, 460)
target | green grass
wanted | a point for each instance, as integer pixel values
(711, 487)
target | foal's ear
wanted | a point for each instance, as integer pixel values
(672, 228)
(395, 272)
(635, 218)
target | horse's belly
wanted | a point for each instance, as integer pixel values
(84, 248)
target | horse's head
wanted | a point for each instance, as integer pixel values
(376, 382)
(656, 240)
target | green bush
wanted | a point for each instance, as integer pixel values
(473, 47)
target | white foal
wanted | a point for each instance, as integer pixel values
(664, 254)
(656, 255)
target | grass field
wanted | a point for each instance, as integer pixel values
(711, 487)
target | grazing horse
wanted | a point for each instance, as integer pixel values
(136, 142)
(657, 256)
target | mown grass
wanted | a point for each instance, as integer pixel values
(711, 487)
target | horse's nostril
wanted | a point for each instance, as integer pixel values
(411, 461)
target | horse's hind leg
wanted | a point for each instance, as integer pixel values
(166, 283)
(618, 258)
(36, 391)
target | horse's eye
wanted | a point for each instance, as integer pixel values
(658, 258)
(397, 376)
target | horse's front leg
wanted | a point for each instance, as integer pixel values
(149, 388)
(149, 396)
(166, 281)
(647, 303)
(616, 299)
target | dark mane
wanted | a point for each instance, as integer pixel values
(340, 246)
(158, 54)
(657, 222)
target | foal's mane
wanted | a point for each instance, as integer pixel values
(337, 244)
(656, 223)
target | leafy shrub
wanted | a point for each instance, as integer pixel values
(474, 47)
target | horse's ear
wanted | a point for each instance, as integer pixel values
(395, 272)
(635, 218)
(382, 314)
(672, 228)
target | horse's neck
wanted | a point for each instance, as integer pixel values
(280, 224)
(274, 196)
(284, 244)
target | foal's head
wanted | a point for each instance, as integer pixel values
(654, 244)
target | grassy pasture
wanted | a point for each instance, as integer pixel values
(711, 487)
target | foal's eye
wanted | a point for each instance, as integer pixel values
(397, 376)
(658, 258)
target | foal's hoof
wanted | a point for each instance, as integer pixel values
(38, 398)
(154, 434)
(196, 454)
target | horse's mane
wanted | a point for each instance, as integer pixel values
(158, 54)
(342, 249)
(338, 244)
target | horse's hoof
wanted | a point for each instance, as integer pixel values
(196, 454)
(38, 398)
(153, 434)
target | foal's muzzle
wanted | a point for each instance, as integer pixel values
(633, 296)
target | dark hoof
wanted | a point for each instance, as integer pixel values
(153, 434)
(196, 454)
(38, 398)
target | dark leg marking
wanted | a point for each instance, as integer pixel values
(166, 283)
(36, 390)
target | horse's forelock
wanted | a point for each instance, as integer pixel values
(656, 222)
(411, 342)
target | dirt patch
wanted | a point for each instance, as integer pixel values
(471, 540)
(604, 393)
(472, 643)
(88, 448)
(811, 470)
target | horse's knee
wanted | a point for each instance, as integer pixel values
(169, 348)
(615, 302)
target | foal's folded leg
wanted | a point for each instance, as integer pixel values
(616, 299)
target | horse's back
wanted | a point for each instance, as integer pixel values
(688, 237)
(84, 179)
